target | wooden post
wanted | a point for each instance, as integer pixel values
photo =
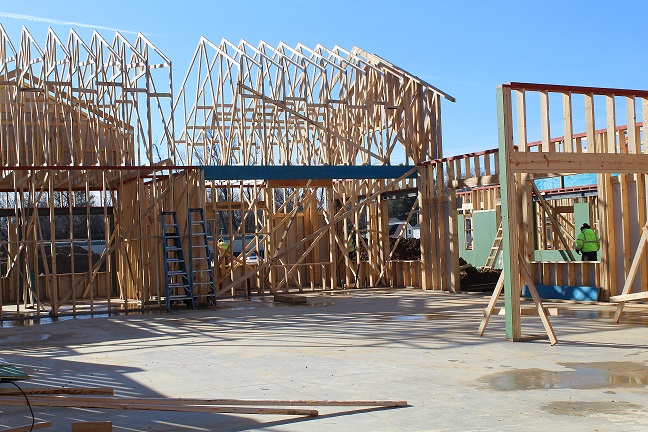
(509, 216)
(428, 255)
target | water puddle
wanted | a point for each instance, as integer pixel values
(409, 318)
(581, 376)
(45, 319)
(629, 316)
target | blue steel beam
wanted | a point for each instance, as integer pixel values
(300, 172)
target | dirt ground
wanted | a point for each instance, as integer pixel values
(471, 277)
(407, 250)
(477, 279)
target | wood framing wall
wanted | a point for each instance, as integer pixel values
(268, 106)
(94, 146)
(605, 152)
(80, 195)
(91, 158)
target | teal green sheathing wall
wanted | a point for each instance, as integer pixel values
(581, 215)
(467, 255)
(553, 255)
(484, 231)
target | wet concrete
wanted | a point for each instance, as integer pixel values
(606, 313)
(402, 344)
(578, 376)
(424, 317)
(581, 409)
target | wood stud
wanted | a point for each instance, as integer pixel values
(91, 130)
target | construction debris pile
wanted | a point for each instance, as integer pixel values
(70, 258)
(408, 249)
(472, 278)
(477, 279)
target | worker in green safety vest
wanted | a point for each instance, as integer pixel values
(223, 247)
(588, 243)
(351, 247)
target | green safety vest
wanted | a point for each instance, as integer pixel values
(350, 246)
(588, 241)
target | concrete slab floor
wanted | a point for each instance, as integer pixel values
(397, 344)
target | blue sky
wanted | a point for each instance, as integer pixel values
(465, 48)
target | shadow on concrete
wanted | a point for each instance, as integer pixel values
(192, 353)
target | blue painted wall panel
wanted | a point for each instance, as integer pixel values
(295, 172)
(561, 292)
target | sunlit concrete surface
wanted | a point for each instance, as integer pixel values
(365, 344)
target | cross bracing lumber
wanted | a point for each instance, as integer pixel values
(293, 116)
(93, 146)
(299, 106)
(77, 128)
(616, 153)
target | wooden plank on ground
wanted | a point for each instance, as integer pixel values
(628, 297)
(236, 402)
(528, 311)
(289, 298)
(61, 390)
(28, 428)
(133, 404)
(98, 426)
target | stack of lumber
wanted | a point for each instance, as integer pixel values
(104, 398)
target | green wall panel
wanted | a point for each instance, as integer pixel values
(581, 215)
(484, 230)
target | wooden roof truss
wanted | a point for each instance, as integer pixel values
(263, 105)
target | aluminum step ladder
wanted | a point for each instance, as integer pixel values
(178, 283)
(200, 257)
(495, 249)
